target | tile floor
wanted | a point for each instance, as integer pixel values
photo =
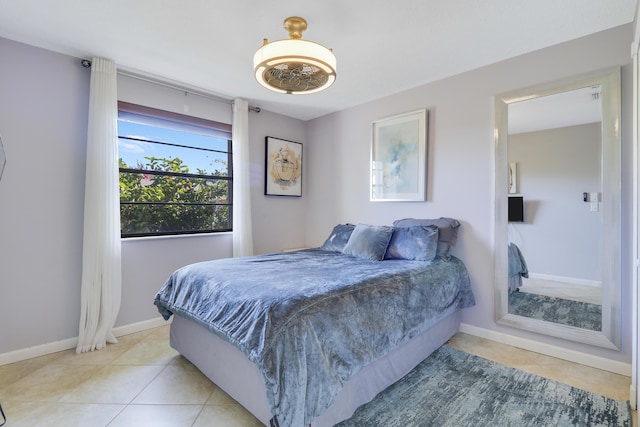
(143, 382)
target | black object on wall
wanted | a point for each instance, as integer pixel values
(516, 209)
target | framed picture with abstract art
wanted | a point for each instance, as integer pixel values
(283, 167)
(398, 158)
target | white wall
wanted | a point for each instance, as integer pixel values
(278, 222)
(43, 116)
(560, 235)
(460, 162)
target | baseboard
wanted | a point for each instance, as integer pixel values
(567, 280)
(609, 365)
(54, 347)
(140, 326)
(38, 350)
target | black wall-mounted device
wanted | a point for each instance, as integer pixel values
(516, 209)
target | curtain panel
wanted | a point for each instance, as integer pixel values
(242, 226)
(101, 262)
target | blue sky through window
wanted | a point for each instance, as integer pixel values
(134, 152)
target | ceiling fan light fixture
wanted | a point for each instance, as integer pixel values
(294, 66)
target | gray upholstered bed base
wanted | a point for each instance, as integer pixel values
(230, 369)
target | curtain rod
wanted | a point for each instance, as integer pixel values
(87, 64)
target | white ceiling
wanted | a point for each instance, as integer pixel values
(382, 47)
(562, 109)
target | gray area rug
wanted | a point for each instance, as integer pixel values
(455, 389)
(566, 312)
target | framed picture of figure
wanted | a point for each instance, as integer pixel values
(283, 167)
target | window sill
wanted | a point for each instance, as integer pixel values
(175, 236)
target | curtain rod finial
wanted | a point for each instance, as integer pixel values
(86, 63)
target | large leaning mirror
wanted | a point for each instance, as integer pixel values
(558, 192)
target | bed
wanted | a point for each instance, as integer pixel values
(305, 337)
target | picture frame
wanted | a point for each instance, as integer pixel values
(283, 167)
(399, 157)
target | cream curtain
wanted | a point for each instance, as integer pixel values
(242, 226)
(101, 265)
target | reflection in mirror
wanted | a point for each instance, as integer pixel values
(555, 141)
(557, 209)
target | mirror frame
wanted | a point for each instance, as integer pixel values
(609, 337)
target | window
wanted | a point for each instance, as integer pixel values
(175, 173)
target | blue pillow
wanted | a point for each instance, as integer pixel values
(419, 243)
(447, 232)
(338, 238)
(369, 241)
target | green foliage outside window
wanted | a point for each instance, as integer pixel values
(163, 197)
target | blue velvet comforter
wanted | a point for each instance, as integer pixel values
(311, 319)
